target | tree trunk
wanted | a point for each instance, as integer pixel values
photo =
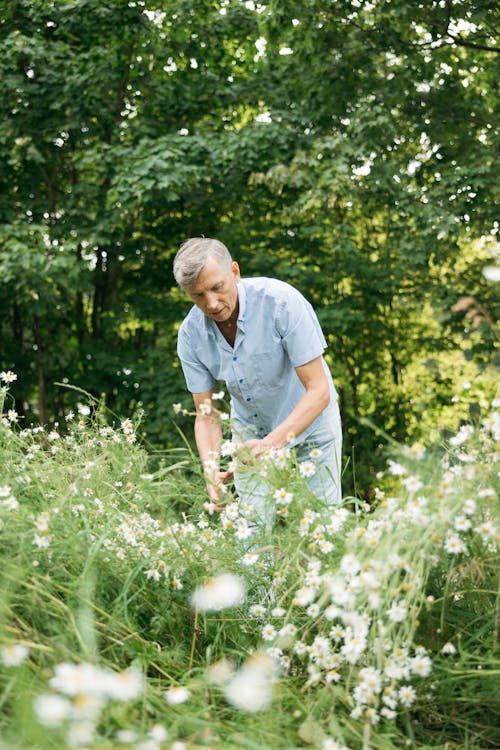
(42, 386)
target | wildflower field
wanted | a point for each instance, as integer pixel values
(134, 616)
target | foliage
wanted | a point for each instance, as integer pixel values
(351, 627)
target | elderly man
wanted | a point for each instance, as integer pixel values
(262, 338)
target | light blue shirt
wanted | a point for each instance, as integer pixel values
(277, 330)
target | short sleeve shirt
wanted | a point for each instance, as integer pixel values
(277, 331)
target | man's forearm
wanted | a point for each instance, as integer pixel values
(208, 436)
(302, 416)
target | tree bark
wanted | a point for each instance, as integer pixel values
(42, 385)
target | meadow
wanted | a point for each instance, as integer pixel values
(132, 615)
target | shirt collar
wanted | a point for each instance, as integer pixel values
(242, 300)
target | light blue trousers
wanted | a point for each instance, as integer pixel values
(325, 483)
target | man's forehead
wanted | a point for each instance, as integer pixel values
(209, 275)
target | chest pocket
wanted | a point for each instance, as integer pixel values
(269, 367)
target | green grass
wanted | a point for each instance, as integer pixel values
(102, 547)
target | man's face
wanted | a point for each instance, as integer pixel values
(215, 291)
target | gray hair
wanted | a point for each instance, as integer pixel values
(192, 256)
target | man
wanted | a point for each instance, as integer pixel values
(262, 338)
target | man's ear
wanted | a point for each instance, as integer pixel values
(235, 269)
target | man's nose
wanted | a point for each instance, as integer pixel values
(211, 301)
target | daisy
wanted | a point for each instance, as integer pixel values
(421, 665)
(52, 710)
(177, 695)
(13, 656)
(307, 469)
(251, 688)
(219, 592)
(283, 497)
(268, 632)
(398, 611)
(407, 695)
(448, 648)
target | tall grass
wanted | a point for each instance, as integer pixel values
(132, 616)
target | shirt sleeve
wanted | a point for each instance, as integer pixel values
(198, 378)
(299, 328)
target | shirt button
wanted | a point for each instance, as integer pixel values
(249, 399)
(235, 359)
(240, 380)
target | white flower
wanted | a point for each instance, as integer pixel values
(278, 612)
(449, 648)
(219, 592)
(218, 396)
(42, 541)
(412, 484)
(462, 435)
(251, 687)
(250, 558)
(8, 377)
(407, 695)
(486, 530)
(330, 744)
(350, 564)
(304, 596)
(13, 656)
(491, 273)
(268, 632)
(81, 733)
(177, 408)
(10, 503)
(353, 648)
(283, 497)
(52, 710)
(462, 523)
(454, 545)
(205, 408)
(396, 469)
(398, 611)
(220, 671)
(469, 507)
(307, 469)
(12, 415)
(288, 630)
(77, 679)
(158, 733)
(122, 686)
(313, 610)
(228, 448)
(126, 736)
(421, 665)
(257, 610)
(177, 695)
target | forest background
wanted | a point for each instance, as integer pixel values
(346, 147)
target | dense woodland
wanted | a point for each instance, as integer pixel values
(348, 147)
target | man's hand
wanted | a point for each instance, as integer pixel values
(253, 449)
(215, 487)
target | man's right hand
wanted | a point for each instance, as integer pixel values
(216, 488)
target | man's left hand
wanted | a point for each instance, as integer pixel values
(256, 447)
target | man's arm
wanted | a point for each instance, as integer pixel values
(316, 398)
(208, 437)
